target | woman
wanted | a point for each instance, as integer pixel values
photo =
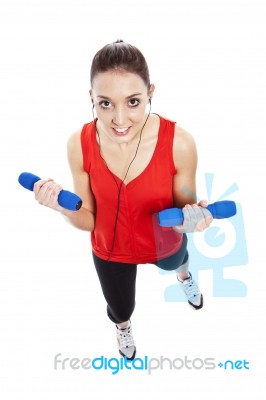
(127, 165)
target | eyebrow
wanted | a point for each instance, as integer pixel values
(128, 97)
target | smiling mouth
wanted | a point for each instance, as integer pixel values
(121, 131)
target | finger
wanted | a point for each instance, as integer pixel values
(188, 218)
(37, 186)
(43, 194)
(48, 193)
(54, 196)
(196, 216)
(208, 216)
(179, 228)
(203, 203)
(183, 227)
(206, 220)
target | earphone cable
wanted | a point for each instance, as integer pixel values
(121, 184)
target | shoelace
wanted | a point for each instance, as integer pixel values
(125, 337)
(191, 288)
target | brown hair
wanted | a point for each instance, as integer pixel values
(123, 56)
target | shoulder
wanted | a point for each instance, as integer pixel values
(80, 137)
(74, 148)
(183, 140)
(184, 147)
(73, 142)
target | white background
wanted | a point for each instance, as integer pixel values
(207, 60)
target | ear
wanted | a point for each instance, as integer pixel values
(91, 96)
(151, 91)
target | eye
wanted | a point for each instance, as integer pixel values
(105, 104)
(134, 102)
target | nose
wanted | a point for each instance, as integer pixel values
(120, 116)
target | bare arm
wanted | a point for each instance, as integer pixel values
(84, 217)
(196, 216)
(46, 191)
(185, 159)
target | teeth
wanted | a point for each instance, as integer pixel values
(121, 130)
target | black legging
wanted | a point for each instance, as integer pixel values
(118, 281)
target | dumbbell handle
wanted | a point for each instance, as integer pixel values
(174, 216)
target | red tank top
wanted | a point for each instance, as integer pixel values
(138, 237)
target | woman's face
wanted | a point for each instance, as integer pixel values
(120, 100)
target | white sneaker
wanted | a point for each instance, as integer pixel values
(125, 342)
(191, 290)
